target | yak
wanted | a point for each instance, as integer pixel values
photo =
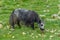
(27, 16)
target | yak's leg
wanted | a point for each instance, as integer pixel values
(32, 25)
(18, 23)
(26, 23)
(11, 22)
(12, 25)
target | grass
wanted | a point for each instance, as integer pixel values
(42, 7)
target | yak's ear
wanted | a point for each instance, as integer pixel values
(42, 20)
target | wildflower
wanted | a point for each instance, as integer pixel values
(13, 37)
(39, 34)
(24, 33)
(1, 26)
(36, 36)
(51, 36)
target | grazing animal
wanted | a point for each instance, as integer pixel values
(27, 16)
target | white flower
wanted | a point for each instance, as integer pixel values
(58, 17)
(39, 34)
(36, 36)
(43, 35)
(8, 27)
(4, 35)
(58, 0)
(44, 10)
(42, 15)
(52, 31)
(50, 19)
(57, 33)
(54, 16)
(58, 5)
(58, 30)
(58, 12)
(13, 36)
(33, 37)
(47, 10)
(24, 33)
(51, 36)
(14, 0)
(47, 30)
(9, 32)
(1, 26)
(0, 21)
(47, 6)
(32, 34)
(12, 29)
(46, 0)
(18, 5)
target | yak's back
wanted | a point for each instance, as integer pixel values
(23, 13)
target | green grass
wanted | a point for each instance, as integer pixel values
(26, 33)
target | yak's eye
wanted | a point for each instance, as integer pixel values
(41, 24)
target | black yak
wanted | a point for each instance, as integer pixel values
(27, 16)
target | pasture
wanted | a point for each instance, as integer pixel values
(48, 10)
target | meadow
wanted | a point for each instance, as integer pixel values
(48, 10)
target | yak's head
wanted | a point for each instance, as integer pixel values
(41, 26)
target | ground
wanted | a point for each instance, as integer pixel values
(48, 10)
